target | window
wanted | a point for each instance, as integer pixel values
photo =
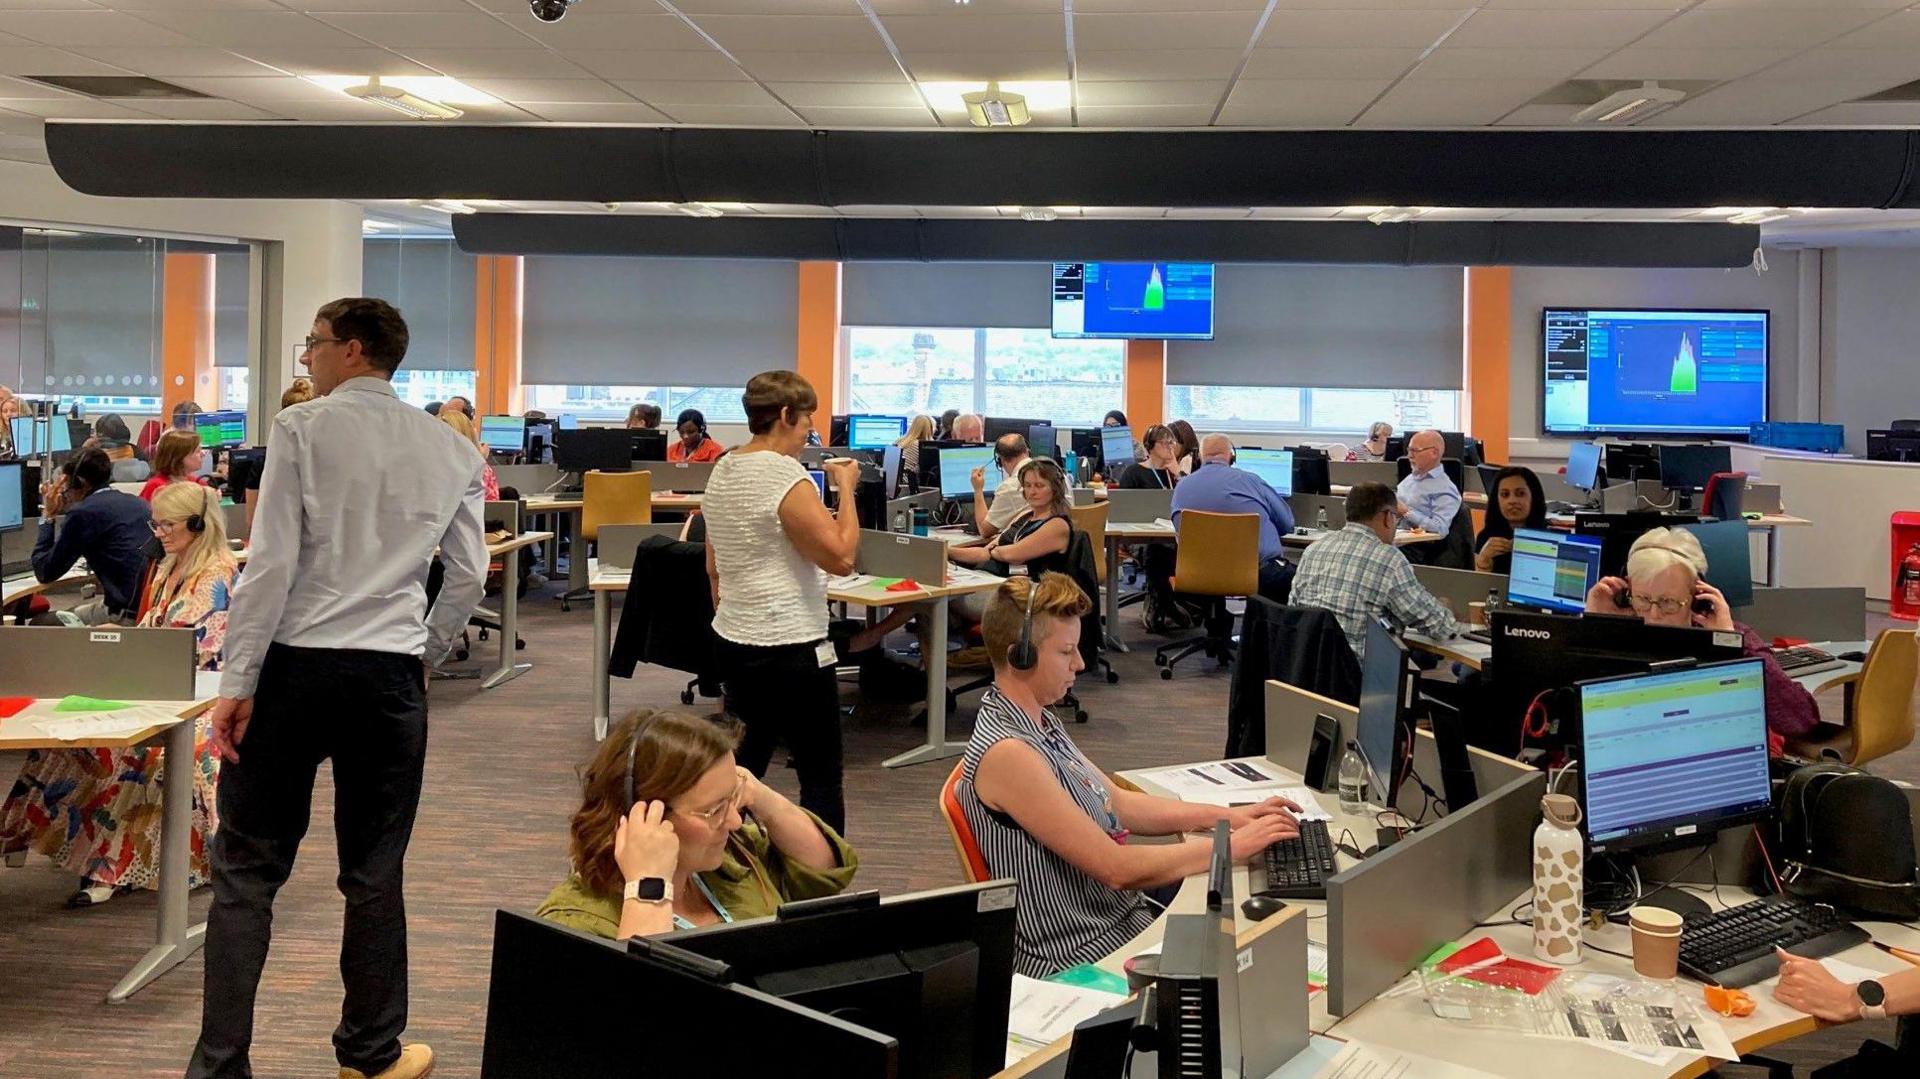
(1008, 372)
(420, 388)
(234, 383)
(1319, 411)
(719, 404)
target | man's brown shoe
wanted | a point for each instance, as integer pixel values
(416, 1062)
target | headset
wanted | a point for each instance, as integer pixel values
(1023, 655)
(197, 523)
(633, 746)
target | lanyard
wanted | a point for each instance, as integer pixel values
(1076, 764)
(725, 918)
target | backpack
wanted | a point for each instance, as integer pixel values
(1847, 840)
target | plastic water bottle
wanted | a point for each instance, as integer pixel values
(1070, 464)
(1320, 520)
(900, 520)
(1353, 780)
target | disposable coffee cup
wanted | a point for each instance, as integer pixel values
(1477, 613)
(1656, 942)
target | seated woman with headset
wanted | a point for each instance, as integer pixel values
(1664, 586)
(695, 445)
(1045, 815)
(1518, 502)
(672, 834)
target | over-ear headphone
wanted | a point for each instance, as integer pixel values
(1023, 655)
(197, 523)
(633, 746)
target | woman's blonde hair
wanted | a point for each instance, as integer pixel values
(297, 394)
(171, 452)
(1055, 596)
(1660, 549)
(675, 749)
(920, 428)
(457, 420)
(208, 549)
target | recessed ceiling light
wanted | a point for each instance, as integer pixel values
(1393, 215)
(1037, 96)
(439, 92)
(1624, 106)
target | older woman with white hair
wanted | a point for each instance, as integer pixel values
(1664, 587)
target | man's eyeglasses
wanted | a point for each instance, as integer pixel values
(311, 341)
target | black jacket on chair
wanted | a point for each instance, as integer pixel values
(1301, 646)
(667, 619)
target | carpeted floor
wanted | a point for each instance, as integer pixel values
(500, 783)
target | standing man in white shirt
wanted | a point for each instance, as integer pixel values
(328, 642)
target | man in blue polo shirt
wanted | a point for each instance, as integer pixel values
(1218, 487)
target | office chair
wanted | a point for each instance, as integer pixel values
(1218, 557)
(1904, 425)
(973, 864)
(1724, 495)
(610, 498)
(1882, 720)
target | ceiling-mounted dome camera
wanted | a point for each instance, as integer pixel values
(550, 10)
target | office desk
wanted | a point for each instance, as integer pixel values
(174, 940)
(1471, 499)
(1473, 655)
(16, 588)
(509, 551)
(572, 506)
(603, 583)
(1767, 524)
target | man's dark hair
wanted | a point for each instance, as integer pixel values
(90, 468)
(1010, 447)
(112, 428)
(1367, 500)
(376, 324)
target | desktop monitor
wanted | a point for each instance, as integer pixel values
(27, 441)
(1454, 445)
(1688, 468)
(933, 970)
(874, 432)
(1617, 531)
(12, 508)
(588, 449)
(993, 427)
(1042, 441)
(1162, 301)
(837, 431)
(1552, 571)
(1583, 465)
(819, 479)
(1891, 445)
(1652, 372)
(1312, 474)
(1632, 461)
(890, 469)
(648, 445)
(1274, 467)
(1116, 451)
(1383, 726)
(244, 468)
(1729, 558)
(956, 470)
(503, 434)
(539, 443)
(1672, 758)
(1395, 448)
(222, 429)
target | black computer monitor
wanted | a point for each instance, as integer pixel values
(1553, 571)
(1085, 443)
(1395, 448)
(1632, 461)
(12, 503)
(1452, 467)
(539, 444)
(648, 445)
(1688, 468)
(1729, 558)
(1312, 475)
(244, 467)
(588, 449)
(1583, 465)
(696, 1011)
(1042, 441)
(996, 426)
(503, 434)
(1537, 657)
(933, 970)
(890, 469)
(837, 431)
(1672, 758)
(870, 432)
(1116, 451)
(1459, 787)
(1454, 445)
(1892, 445)
(1386, 685)
(1617, 531)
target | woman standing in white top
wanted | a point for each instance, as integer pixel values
(769, 537)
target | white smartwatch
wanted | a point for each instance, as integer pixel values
(1873, 1000)
(655, 890)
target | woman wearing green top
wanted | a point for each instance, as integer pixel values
(671, 834)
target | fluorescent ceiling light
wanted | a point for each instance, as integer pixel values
(423, 96)
(699, 209)
(1760, 215)
(1039, 95)
(448, 206)
(1038, 213)
(1623, 106)
(1393, 215)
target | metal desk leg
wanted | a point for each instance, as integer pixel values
(576, 554)
(1113, 595)
(553, 545)
(174, 939)
(602, 659)
(937, 747)
(1773, 557)
(509, 624)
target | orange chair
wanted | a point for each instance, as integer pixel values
(973, 864)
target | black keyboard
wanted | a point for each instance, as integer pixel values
(1805, 659)
(1484, 636)
(1734, 947)
(1299, 868)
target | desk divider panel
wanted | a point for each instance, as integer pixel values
(677, 475)
(891, 554)
(529, 480)
(618, 542)
(1760, 498)
(1353, 473)
(1137, 507)
(504, 512)
(1458, 587)
(111, 662)
(1306, 510)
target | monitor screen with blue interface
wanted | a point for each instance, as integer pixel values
(1116, 450)
(874, 432)
(503, 434)
(219, 430)
(26, 441)
(10, 505)
(1552, 571)
(1673, 755)
(1159, 300)
(956, 470)
(1645, 371)
(1274, 467)
(1583, 465)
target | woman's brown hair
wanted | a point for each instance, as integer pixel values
(771, 394)
(675, 749)
(170, 454)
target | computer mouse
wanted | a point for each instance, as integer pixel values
(1300, 531)
(1851, 657)
(1261, 907)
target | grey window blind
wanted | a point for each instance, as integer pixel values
(432, 283)
(657, 322)
(100, 298)
(1367, 327)
(231, 304)
(932, 295)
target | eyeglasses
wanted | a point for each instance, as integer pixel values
(1666, 605)
(161, 528)
(713, 817)
(312, 341)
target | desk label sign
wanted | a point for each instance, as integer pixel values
(901, 539)
(997, 899)
(103, 637)
(1243, 961)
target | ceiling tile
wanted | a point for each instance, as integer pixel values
(738, 116)
(849, 95)
(172, 5)
(71, 107)
(1182, 30)
(1583, 5)
(568, 91)
(771, 7)
(824, 116)
(1329, 63)
(980, 67)
(1877, 114)
(357, 5)
(820, 66)
(1451, 102)
(1255, 6)
(49, 5)
(1761, 5)
(1358, 29)
(308, 60)
(89, 28)
(668, 94)
(18, 123)
(518, 8)
(679, 64)
(241, 29)
(616, 30)
(1754, 101)
(1894, 66)
(27, 88)
(1540, 116)
(532, 62)
(164, 63)
(967, 31)
(1553, 29)
(441, 30)
(1137, 94)
(1747, 29)
(1467, 63)
(630, 113)
(1636, 62)
(1299, 102)
(1900, 30)
(257, 91)
(1101, 66)
(203, 110)
(773, 33)
(1138, 116)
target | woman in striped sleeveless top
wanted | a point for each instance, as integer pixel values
(1044, 814)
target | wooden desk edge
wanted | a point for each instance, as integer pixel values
(191, 712)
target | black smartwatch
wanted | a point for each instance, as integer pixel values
(1873, 999)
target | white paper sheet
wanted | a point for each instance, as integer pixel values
(1044, 1012)
(206, 684)
(850, 582)
(959, 575)
(75, 726)
(1225, 783)
(1360, 1060)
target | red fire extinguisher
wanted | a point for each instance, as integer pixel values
(1910, 577)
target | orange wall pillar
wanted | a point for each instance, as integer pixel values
(186, 333)
(1146, 384)
(496, 335)
(817, 356)
(1488, 357)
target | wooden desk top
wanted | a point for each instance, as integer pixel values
(1154, 530)
(19, 733)
(1474, 655)
(574, 503)
(868, 595)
